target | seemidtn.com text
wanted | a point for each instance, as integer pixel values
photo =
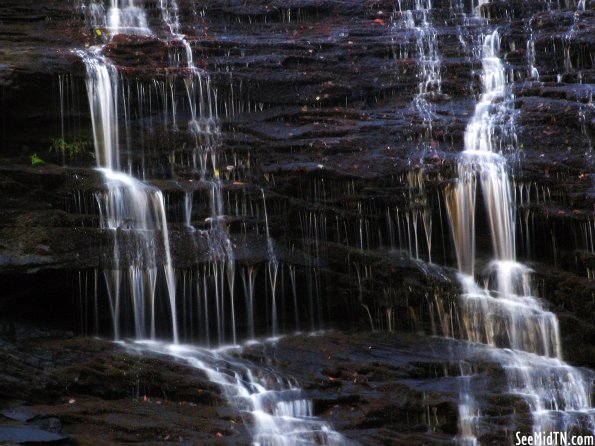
(553, 439)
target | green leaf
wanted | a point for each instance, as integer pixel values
(35, 160)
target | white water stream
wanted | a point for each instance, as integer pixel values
(277, 411)
(504, 314)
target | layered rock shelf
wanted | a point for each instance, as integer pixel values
(324, 142)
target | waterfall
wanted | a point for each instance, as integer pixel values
(134, 213)
(520, 334)
(281, 415)
(125, 17)
(429, 60)
(133, 210)
(498, 310)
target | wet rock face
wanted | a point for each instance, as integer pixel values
(36, 40)
(320, 115)
(396, 388)
(375, 388)
(79, 391)
(317, 107)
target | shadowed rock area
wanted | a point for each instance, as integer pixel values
(84, 391)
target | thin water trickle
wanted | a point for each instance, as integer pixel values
(532, 71)
(417, 15)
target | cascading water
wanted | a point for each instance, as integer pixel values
(417, 16)
(130, 208)
(520, 334)
(133, 210)
(135, 213)
(280, 414)
(429, 60)
(126, 17)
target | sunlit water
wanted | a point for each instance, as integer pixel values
(276, 412)
(504, 314)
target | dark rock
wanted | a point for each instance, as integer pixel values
(28, 435)
(95, 392)
(392, 388)
(18, 414)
